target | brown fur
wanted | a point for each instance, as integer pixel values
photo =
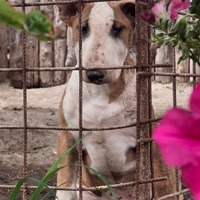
(160, 170)
(66, 140)
(116, 88)
(88, 178)
(126, 21)
(74, 22)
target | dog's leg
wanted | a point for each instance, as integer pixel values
(67, 176)
(160, 170)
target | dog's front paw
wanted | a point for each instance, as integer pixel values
(66, 195)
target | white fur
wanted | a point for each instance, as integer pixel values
(69, 195)
(66, 195)
(107, 149)
(100, 48)
(105, 146)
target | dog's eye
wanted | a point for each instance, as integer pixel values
(116, 30)
(85, 29)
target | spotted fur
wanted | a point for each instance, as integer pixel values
(106, 30)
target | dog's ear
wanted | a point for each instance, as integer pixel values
(128, 9)
(68, 12)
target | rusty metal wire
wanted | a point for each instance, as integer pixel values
(64, 2)
(24, 108)
(194, 72)
(166, 74)
(84, 129)
(80, 158)
(150, 61)
(83, 68)
(56, 3)
(103, 187)
(175, 104)
(173, 195)
(138, 48)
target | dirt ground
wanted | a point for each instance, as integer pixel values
(43, 111)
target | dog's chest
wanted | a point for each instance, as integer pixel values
(95, 116)
(97, 112)
(107, 149)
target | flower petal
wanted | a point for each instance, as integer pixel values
(176, 5)
(144, 15)
(178, 136)
(195, 101)
(148, 17)
(191, 177)
(159, 8)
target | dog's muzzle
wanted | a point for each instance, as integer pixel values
(95, 76)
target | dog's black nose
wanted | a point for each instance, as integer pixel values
(95, 76)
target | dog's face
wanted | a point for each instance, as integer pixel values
(106, 30)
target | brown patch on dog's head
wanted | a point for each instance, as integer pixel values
(68, 11)
(74, 22)
(107, 30)
(124, 13)
(69, 14)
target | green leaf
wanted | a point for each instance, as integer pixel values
(161, 19)
(167, 43)
(40, 187)
(160, 34)
(172, 34)
(160, 44)
(156, 36)
(182, 24)
(151, 41)
(190, 34)
(180, 59)
(193, 22)
(44, 185)
(185, 50)
(174, 43)
(53, 169)
(166, 25)
(38, 24)
(102, 178)
(167, 4)
(193, 57)
(61, 158)
(45, 196)
(173, 24)
(11, 17)
(16, 189)
(35, 23)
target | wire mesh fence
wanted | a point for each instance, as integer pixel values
(145, 71)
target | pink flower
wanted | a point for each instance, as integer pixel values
(148, 17)
(174, 7)
(178, 137)
(159, 8)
